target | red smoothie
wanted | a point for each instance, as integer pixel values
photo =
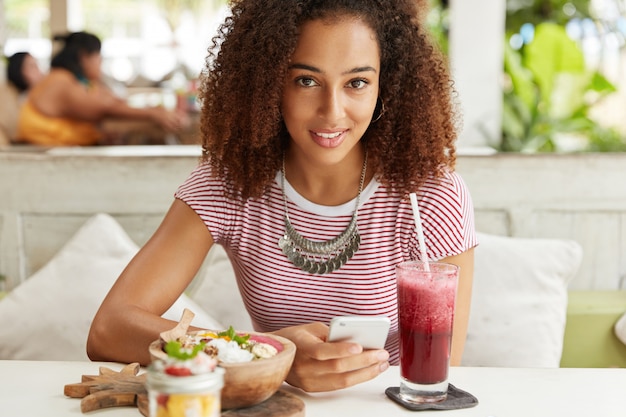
(426, 312)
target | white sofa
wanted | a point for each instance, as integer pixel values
(517, 319)
(521, 283)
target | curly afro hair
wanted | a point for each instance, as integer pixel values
(244, 136)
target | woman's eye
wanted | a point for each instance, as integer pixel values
(306, 82)
(358, 84)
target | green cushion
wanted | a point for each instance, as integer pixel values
(590, 340)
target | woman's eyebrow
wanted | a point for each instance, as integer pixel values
(304, 67)
(361, 69)
(366, 68)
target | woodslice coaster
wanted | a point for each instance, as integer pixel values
(126, 388)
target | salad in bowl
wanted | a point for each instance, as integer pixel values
(255, 364)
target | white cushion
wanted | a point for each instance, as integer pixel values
(620, 329)
(519, 301)
(48, 316)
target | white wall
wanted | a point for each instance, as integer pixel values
(568, 196)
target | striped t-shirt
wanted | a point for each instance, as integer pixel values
(277, 294)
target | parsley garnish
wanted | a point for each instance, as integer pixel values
(174, 349)
(230, 334)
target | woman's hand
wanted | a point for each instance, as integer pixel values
(324, 366)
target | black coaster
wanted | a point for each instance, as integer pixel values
(456, 399)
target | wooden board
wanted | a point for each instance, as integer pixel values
(126, 388)
(281, 404)
(111, 389)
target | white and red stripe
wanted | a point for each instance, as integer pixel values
(277, 294)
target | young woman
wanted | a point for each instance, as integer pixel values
(319, 118)
(66, 107)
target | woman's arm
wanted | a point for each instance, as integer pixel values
(115, 107)
(465, 261)
(62, 95)
(129, 318)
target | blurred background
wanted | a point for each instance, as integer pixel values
(144, 41)
(531, 75)
(537, 75)
(152, 51)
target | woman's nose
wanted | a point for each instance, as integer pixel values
(333, 106)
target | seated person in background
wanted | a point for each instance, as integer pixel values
(67, 106)
(22, 74)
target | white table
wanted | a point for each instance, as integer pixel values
(35, 389)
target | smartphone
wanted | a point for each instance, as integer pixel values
(368, 331)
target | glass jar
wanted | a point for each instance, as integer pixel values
(185, 396)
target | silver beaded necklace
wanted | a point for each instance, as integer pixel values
(321, 257)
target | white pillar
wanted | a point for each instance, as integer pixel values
(476, 48)
(58, 20)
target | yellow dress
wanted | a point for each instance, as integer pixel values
(38, 129)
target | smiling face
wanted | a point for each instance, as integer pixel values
(331, 88)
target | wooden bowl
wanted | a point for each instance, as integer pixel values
(248, 383)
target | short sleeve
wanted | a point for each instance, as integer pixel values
(205, 194)
(447, 214)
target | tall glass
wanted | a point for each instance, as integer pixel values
(426, 301)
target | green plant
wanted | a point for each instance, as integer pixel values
(438, 22)
(520, 12)
(548, 95)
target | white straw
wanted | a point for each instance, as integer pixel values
(418, 229)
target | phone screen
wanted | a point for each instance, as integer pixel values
(369, 332)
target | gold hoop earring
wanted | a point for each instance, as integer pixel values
(381, 110)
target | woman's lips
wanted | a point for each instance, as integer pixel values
(328, 139)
